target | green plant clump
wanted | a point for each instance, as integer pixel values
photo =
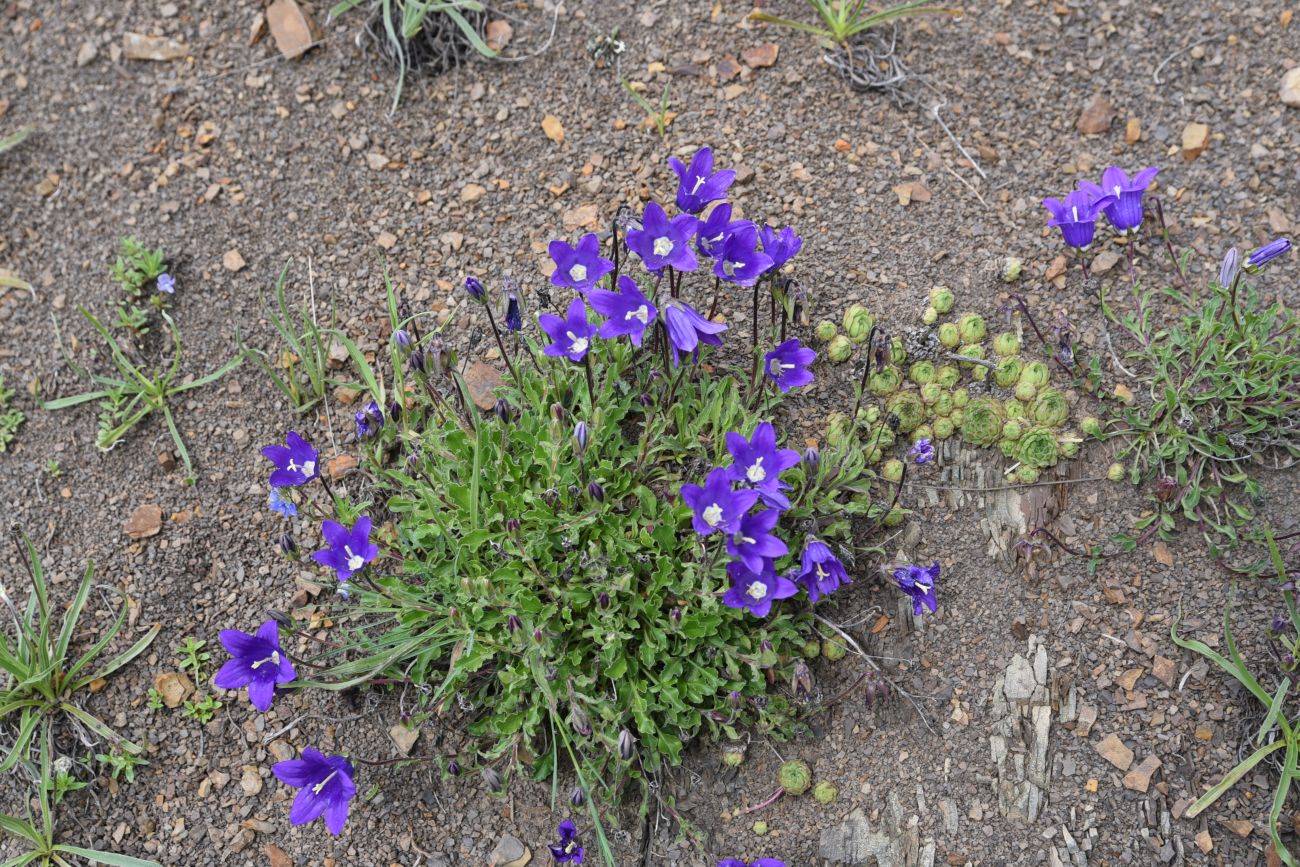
(795, 777)
(11, 417)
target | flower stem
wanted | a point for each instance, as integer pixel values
(1164, 232)
(496, 332)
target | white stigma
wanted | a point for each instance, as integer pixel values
(742, 539)
(578, 273)
(821, 573)
(274, 659)
(1117, 191)
(699, 182)
(1075, 211)
(757, 590)
(316, 788)
(577, 344)
(355, 561)
(756, 473)
(642, 313)
(712, 515)
(663, 246)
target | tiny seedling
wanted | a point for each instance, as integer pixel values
(39, 677)
(131, 396)
(193, 657)
(660, 117)
(121, 764)
(53, 468)
(155, 699)
(202, 708)
(842, 20)
(11, 417)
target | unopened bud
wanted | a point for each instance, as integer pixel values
(493, 781)
(626, 745)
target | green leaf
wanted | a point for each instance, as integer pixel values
(108, 858)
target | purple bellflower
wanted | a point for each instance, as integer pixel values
(280, 505)
(753, 543)
(820, 571)
(787, 365)
(349, 550)
(1228, 269)
(1077, 216)
(369, 419)
(697, 183)
(579, 267)
(661, 242)
(166, 283)
(687, 329)
(325, 788)
(922, 451)
(758, 464)
(257, 662)
(626, 311)
(715, 505)
(567, 850)
(1270, 251)
(1124, 213)
(715, 228)
(918, 583)
(296, 462)
(738, 259)
(572, 334)
(781, 246)
(756, 591)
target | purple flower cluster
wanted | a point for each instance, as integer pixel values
(744, 502)
(1118, 197)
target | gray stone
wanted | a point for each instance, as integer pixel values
(852, 843)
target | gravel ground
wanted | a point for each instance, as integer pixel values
(230, 148)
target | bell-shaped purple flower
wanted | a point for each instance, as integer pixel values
(757, 463)
(568, 850)
(571, 335)
(661, 242)
(579, 267)
(715, 228)
(918, 582)
(787, 365)
(1124, 213)
(1077, 216)
(922, 452)
(820, 571)
(697, 183)
(257, 662)
(715, 506)
(687, 329)
(514, 319)
(325, 788)
(349, 550)
(753, 543)
(756, 591)
(626, 312)
(280, 505)
(166, 283)
(738, 259)
(296, 462)
(781, 246)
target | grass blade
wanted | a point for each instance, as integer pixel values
(1229, 780)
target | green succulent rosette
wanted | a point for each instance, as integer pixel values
(960, 398)
(1069, 444)
(825, 331)
(909, 409)
(1050, 408)
(857, 323)
(897, 352)
(839, 349)
(1037, 448)
(1026, 392)
(880, 436)
(942, 299)
(1026, 475)
(971, 327)
(949, 335)
(885, 382)
(1036, 373)
(1093, 427)
(1006, 344)
(921, 372)
(923, 432)
(942, 406)
(892, 470)
(1012, 430)
(943, 428)
(982, 424)
(957, 417)
(947, 376)
(1008, 372)
(1015, 409)
(930, 392)
(838, 425)
(929, 316)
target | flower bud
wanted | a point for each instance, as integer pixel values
(514, 319)
(596, 491)
(512, 525)
(551, 497)
(514, 624)
(811, 456)
(1166, 489)
(580, 434)
(1228, 270)
(802, 682)
(417, 361)
(288, 547)
(493, 781)
(474, 288)
(559, 413)
(453, 767)
(733, 699)
(645, 399)
(402, 338)
(626, 745)
(579, 720)
(537, 635)
(284, 620)
(577, 797)
(675, 616)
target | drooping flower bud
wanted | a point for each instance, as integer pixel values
(802, 682)
(402, 338)
(579, 720)
(626, 745)
(1228, 270)
(417, 361)
(288, 547)
(514, 319)
(514, 624)
(493, 781)
(474, 288)
(580, 435)
(502, 411)
(596, 491)
(811, 456)
(453, 768)
(559, 413)
(512, 525)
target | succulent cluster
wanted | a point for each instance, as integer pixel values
(950, 377)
